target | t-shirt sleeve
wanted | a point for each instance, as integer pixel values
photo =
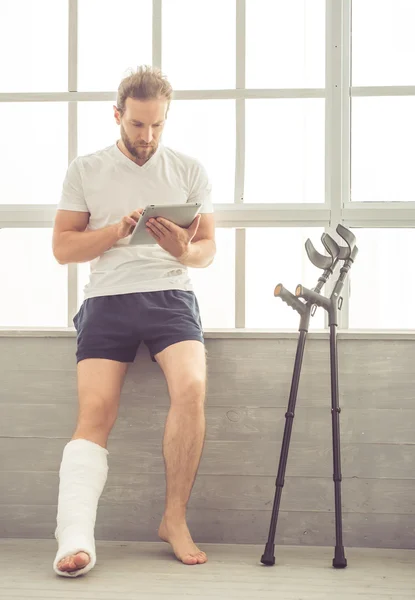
(72, 197)
(201, 188)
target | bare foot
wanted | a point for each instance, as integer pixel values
(74, 562)
(178, 536)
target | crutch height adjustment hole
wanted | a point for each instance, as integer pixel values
(289, 415)
(337, 410)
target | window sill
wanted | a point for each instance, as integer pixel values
(356, 334)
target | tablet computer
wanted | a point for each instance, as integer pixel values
(180, 214)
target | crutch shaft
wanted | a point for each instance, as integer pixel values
(339, 561)
(268, 558)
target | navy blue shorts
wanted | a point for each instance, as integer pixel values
(113, 327)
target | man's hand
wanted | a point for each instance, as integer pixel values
(125, 227)
(176, 240)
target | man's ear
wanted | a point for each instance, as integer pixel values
(117, 115)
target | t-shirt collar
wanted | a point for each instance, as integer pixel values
(122, 157)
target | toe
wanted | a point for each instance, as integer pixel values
(81, 560)
(190, 560)
(201, 557)
(65, 566)
(74, 563)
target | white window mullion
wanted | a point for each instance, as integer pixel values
(383, 90)
(72, 267)
(72, 138)
(240, 102)
(240, 234)
(73, 46)
(240, 277)
(231, 94)
(337, 124)
(346, 106)
(157, 33)
(333, 112)
(346, 142)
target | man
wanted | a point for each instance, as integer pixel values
(140, 293)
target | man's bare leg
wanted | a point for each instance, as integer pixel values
(184, 366)
(99, 387)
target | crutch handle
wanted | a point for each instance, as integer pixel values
(289, 298)
(311, 296)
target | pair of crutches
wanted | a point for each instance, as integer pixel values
(305, 302)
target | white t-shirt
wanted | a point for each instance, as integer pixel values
(109, 186)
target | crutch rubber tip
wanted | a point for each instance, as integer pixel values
(268, 561)
(268, 558)
(339, 560)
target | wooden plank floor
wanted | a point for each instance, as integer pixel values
(130, 570)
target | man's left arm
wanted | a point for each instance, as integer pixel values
(202, 248)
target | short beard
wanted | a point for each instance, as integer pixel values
(135, 151)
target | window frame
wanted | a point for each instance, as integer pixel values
(338, 93)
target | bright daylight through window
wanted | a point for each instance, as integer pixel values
(299, 126)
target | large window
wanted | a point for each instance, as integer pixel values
(33, 46)
(284, 152)
(381, 285)
(276, 255)
(112, 37)
(33, 151)
(205, 129)
(198, 44)
(35, 288)
(300, 110)
(383, 149)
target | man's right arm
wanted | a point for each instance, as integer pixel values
(73, 244)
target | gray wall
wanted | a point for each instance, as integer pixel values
(249, 383)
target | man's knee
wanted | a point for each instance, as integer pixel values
(97, 413)
(190, 391)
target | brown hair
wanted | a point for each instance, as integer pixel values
(146, 83)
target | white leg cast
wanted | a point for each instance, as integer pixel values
(83, 474)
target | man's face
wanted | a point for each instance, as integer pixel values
(141, 126)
